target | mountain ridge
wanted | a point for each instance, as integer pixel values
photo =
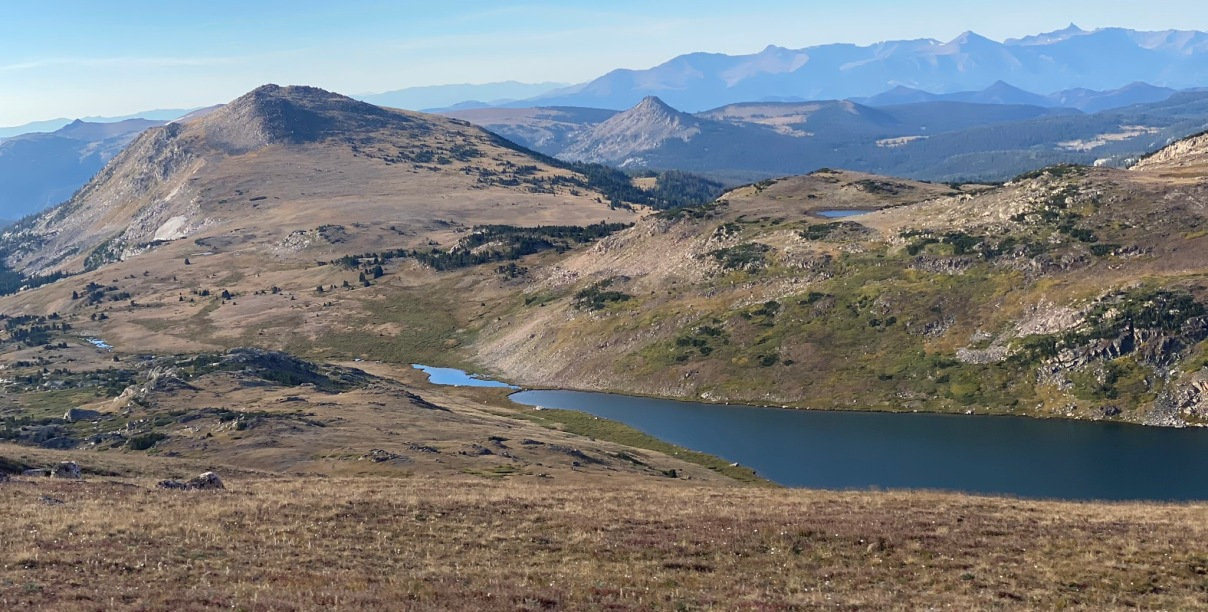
(1050, 62)
(932, 140)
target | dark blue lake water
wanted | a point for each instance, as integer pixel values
(976, 454)
(861, 450)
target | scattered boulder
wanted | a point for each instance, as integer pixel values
(577, 454)
(80, 414)
(207, 480)
(3, 476)
(476, 450)
(66, 469)
(378, 455)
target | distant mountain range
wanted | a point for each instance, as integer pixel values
(50, 125)
(41, 169)
(1102, 60)
(941, 138)
(460, 96)
(1000, 92)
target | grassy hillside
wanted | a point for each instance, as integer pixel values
(1071, 292)
(436, 544)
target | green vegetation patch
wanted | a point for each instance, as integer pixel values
(598, 296)
(837, 229)
(496, 243)
(106, 252)
(749, 256)
(700, 341)
(704, 211)
(145, 441)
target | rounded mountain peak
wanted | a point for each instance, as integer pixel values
(272, 114)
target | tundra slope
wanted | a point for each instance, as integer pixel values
(1071, 291)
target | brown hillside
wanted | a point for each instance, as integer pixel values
(284, 159)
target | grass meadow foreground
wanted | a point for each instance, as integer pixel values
(469, 543)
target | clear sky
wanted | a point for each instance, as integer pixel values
(74, 58)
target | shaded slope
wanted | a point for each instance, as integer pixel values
(43, 169)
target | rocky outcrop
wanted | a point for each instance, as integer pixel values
(204, 481)
(66, 469)
(80, 414)
(378, 455)
(1191, 151)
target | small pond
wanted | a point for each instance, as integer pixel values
(458, 378)
(838, 214)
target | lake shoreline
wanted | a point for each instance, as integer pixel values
(1033, 458)
(985, 412)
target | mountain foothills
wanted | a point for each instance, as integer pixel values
(243, 290)
(1103, 59)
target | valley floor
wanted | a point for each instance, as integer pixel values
(461, 543)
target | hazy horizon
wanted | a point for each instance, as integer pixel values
(123, 57)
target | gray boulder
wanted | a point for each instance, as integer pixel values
(80, 414)
(208, 480)
(66, 469)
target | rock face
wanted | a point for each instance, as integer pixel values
(1187, 153)
(207, 480)
(66, 469)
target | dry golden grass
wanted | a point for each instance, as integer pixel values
(383, 544)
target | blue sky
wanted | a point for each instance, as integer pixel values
(114, 57)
